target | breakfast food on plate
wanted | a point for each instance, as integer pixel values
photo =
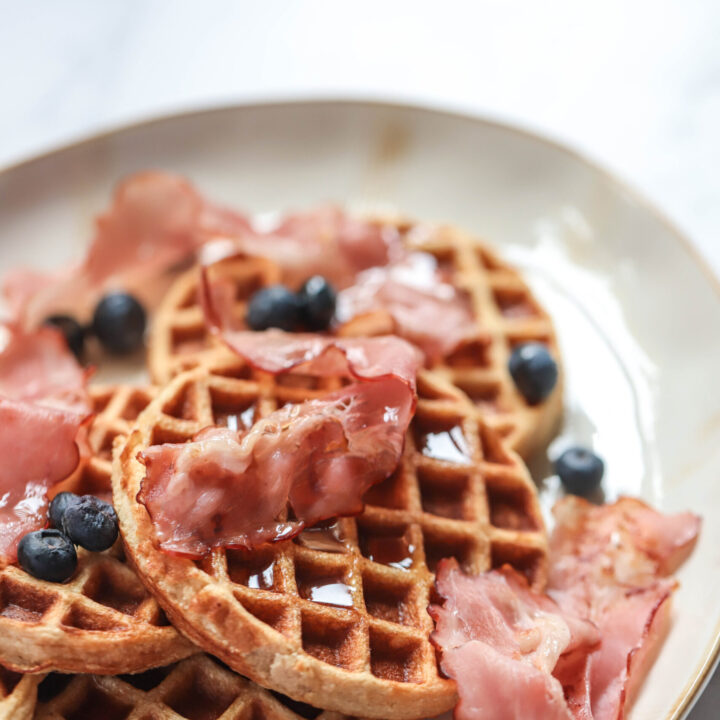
(335, 617)
(103, 619)
(18, 694)
(323, 491)
(447, 292)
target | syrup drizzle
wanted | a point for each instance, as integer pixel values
(237, 421)
(325, 537)
(262, 577)
(395, 550)
(448, 444)
(329, 591)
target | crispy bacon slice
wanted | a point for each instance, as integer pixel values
(231, 489)
(608, 564)
(508, 648)
(324, 242)
(38, 367)
(43, 405)
(155, 222)
(501, 642)
(38, 448)
(421, 305)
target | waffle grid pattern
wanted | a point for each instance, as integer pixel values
(194, 689)
(507, 315)
(179, 339)
(506, 311)
(103, 619)
(363, 610)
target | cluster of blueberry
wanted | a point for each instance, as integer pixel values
(118, 323)
(310, 308)
(82, 520)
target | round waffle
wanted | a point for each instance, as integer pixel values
(342, 626)
(194, 688)
(18, 694)
(103, 620)
(507, 315)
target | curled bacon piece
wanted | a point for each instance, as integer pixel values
(420, 305)
(501, 642)
(37, 367)
(608, 563)
(43, 404)
(38, 448)
(324, 242)
(231, 489)
(517, 654)
(155, 222)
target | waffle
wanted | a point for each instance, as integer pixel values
(507, 315)
(266, 613)
(18, 694)
(194, 688)
(179, 339)
(102, 620)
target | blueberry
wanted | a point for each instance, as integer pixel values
(119, 323)
(580, 470)
(47, 555)
(274, 307)
(91, 523)
(534, 371)
(72, 331)
(59, 505)
(317, 298)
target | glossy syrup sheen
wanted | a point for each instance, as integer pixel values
(447, 444)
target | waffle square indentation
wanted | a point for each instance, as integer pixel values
(395, 658)
(23, 602)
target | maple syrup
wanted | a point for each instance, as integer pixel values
(446, 444)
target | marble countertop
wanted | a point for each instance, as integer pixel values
(635, 86)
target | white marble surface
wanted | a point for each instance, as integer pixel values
(635, 85)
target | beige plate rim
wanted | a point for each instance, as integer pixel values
(704, 671)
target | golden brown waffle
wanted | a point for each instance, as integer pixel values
(18, 694)
(194, 689)
(458, 492)
(506, 312)
(179, 339)
(103, 620)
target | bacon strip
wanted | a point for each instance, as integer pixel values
(501, 642)
(155, 222)
(37, 367)
(608, 564)
(43, 404)
(231, 489)
(517, 654)
(323, 242)
(38, 448)
(421, 305)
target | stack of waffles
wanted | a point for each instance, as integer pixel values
(331, 624)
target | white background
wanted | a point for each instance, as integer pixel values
(633, 84)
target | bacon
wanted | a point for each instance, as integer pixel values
(422, 307)
(501, 642)
(156, 222)
(231, 489)
(37, 445)
(608, 564)
(323, 242)
(43, 404)
(39, 368)
(517, 654)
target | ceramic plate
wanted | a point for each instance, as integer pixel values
(637, 314)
